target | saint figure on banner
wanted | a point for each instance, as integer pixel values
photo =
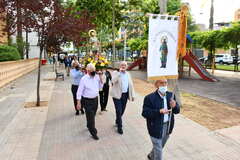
(163, 51)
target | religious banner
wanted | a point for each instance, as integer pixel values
(162, 47)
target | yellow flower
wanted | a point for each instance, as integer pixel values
(102, 64)
(89, 59)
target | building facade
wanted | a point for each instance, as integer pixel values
(237, 15)
(3, 33)
(34, 49)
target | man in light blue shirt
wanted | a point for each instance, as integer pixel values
(76, 76)
(122, 90)
(125, 84)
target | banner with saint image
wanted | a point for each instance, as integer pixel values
(162, 47)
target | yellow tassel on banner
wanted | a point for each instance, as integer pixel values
(182, 31)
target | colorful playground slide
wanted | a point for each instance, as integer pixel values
(193, 62)
(197, 66)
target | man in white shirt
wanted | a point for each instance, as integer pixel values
(88, 95)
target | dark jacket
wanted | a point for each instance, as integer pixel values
(151, 111)
(67, 62)
(108, 78)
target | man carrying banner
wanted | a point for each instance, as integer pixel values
(158, 109)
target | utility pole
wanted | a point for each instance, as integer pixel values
(19, 29)
(163, 6)
(125, 44)
(113, 32)
(211, 15)
(211, 21)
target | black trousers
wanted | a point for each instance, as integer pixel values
(104, 97)
(120, 106)
(74, 89)
(90, 105)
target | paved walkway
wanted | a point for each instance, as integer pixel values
(55, 133)
(13, 96)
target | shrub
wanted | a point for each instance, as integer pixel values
(8, 53)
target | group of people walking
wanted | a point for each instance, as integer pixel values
(88, 85)
(159, 107)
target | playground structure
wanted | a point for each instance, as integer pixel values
(140, 62)
(182, 53)
(198, 67)
(189, 57)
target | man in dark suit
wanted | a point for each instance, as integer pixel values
(158, 109)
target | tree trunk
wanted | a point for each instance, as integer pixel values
(27, 45)
(235, 60)
(211, 15)
(19, 29)
(39, 75)
(8, 29)
(113, 32)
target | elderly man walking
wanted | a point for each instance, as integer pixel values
(122, 90)
(88, 95)
(159, 108)
(76, 75)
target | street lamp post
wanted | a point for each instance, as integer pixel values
(125, 37)
(211, 21)
(113, 32)
(211, 15)
(125, 44)
(163, 6)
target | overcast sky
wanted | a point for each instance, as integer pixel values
(224, 10)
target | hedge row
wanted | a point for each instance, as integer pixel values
(8, 53)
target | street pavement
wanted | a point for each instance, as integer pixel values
(55, 133)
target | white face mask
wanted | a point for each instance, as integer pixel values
(163, 89)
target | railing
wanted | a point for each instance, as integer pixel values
(12, 70)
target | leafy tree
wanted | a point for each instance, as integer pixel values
(101, 10)
(13, 11)
(18, 18)
(137, 44)
(230, 37)
(210, 40)
(134, 44)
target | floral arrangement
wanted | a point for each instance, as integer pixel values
(97, 60)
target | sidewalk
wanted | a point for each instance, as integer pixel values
(63, 136)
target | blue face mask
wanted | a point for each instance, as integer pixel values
(162, 89)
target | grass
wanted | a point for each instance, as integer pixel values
(219, 67)
(225, 67)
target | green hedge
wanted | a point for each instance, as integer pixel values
(8, 53)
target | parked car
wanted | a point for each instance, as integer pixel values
(203, 60)
(223, 59)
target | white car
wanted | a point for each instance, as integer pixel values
(203, 60)
(223, 59)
